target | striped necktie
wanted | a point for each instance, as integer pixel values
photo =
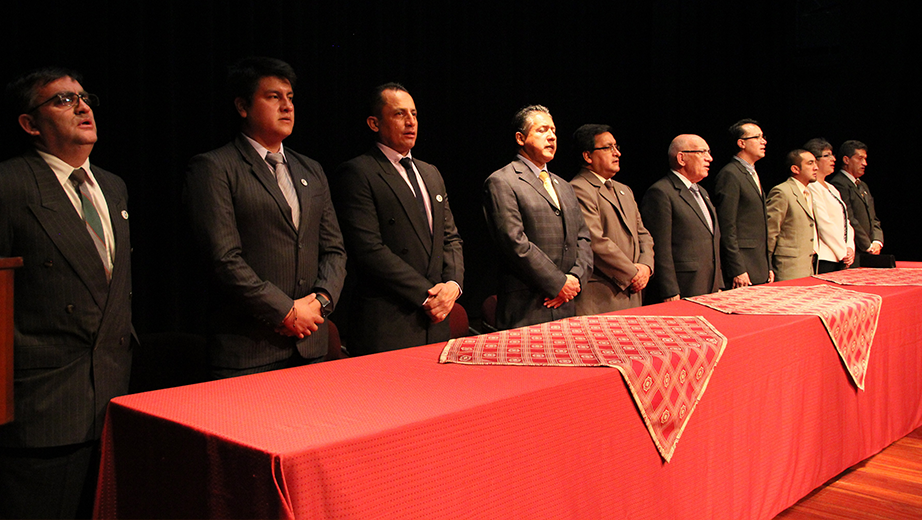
(283, 178)
(91, 218)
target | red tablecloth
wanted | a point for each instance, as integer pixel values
(397, 435)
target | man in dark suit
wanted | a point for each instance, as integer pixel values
(68, 221)
(535, 221)
(622, 248)
(683, 222)
(741, 210)
(400, 234)
(869, 236)
(264, 216)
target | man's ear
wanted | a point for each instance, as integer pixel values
(587, 157)
(372, 123)
(27, 122)
(520, 138)
(241, 105)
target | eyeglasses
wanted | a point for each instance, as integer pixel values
(760, 136)
(67, 100)
(825, 155)
(611, 148)
(707, 151)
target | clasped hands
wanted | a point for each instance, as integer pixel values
(570, 289)
(303, 319)
(441, 300)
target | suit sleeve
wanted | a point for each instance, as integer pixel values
(504, 220)
(331, 261)
(356, 204)
(727, 193)
(656, 209)
(452, 251)
(210, 199)
(609, 259)
(776, 208)
(584, 258)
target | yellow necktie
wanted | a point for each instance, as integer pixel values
(546, 179)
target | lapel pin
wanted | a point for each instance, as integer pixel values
(303, 182)
(125, 214)
(621, 192)
(438, 198)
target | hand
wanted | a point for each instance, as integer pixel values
(641, 278)
(569, 291)
(742, 280)
(304, 318)
(771, 276)
(875, 248)
(441, 300)
(673, 298)
(849, 257)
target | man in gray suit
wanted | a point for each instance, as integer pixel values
(68, 220)
(535, 221)
(684, 225)
(792, 233)
(869, 236)
(622, 248)
(741, 210)
(400, 233)
(264, 216)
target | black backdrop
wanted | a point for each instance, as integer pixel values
(653, 69)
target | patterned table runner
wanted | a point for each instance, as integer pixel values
(666, 361)
(850, 317)
(868, 276)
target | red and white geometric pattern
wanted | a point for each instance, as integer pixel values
(850, 317)
(666, 361)
(868, 276)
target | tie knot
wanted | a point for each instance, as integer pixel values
(543, 175)
(608, 184)
(407, 164)
(694, 189)
(275, 159)
(78, 176)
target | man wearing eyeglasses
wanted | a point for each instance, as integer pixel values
(263, 216)
(68, 220)
(683, 223)
(740, 202)
(622, 248)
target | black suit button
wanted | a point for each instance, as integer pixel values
(404, 251)
(69, 309)
(392, 221)
(300, 245)
(121, 340)
(302, 281)
(48, 263)
(557, 212)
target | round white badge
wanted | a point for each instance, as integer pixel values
(438, 198)
(125, 214)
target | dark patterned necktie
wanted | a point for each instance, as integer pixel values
(91, 218)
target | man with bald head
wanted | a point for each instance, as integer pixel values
(683, 223)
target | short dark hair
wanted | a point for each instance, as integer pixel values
(849, 148)
(376, 101)
(793, 158)
(244, 76)
(21, 92)
(736, 129)
(521, 122)
(817, 146)
(584, 137)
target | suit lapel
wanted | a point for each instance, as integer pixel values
(300, 178)
(67, 230)
(616, 200)
(689, 199)
(529, 177)
(405, 195)
(751, 181)
(260, 169)
(798, 190)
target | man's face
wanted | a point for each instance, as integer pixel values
(270, 116)
(697, 159)
(540, 144)
(806, 173)
(397, 125)
(856, 164)
(605, 160)
(60, 130)
(826, 163)
(753, 142)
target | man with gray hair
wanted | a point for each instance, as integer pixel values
(537, 225)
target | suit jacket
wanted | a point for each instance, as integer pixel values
(539, 244)
(259, 263)
(861, 212)
(618, 240)
(687, 252)
(72, 330)
(790, 231)
(743, 228)
(396, 260)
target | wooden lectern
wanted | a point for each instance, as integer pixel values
(6, 337)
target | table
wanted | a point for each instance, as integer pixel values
(396, 435)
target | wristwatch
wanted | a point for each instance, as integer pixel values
(324, 304)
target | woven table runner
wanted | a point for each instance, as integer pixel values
(869, 276)
(850, 317)
(666, 361)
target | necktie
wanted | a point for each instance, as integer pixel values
(91, 218)
(548, 187)
(407, 164)
(283, 178)
(611, 188)
(704, 208)
(755, 177)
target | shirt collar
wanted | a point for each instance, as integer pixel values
(531, 166)
(63, 171)
(262, 150)
(682, 178)
(854, 180)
